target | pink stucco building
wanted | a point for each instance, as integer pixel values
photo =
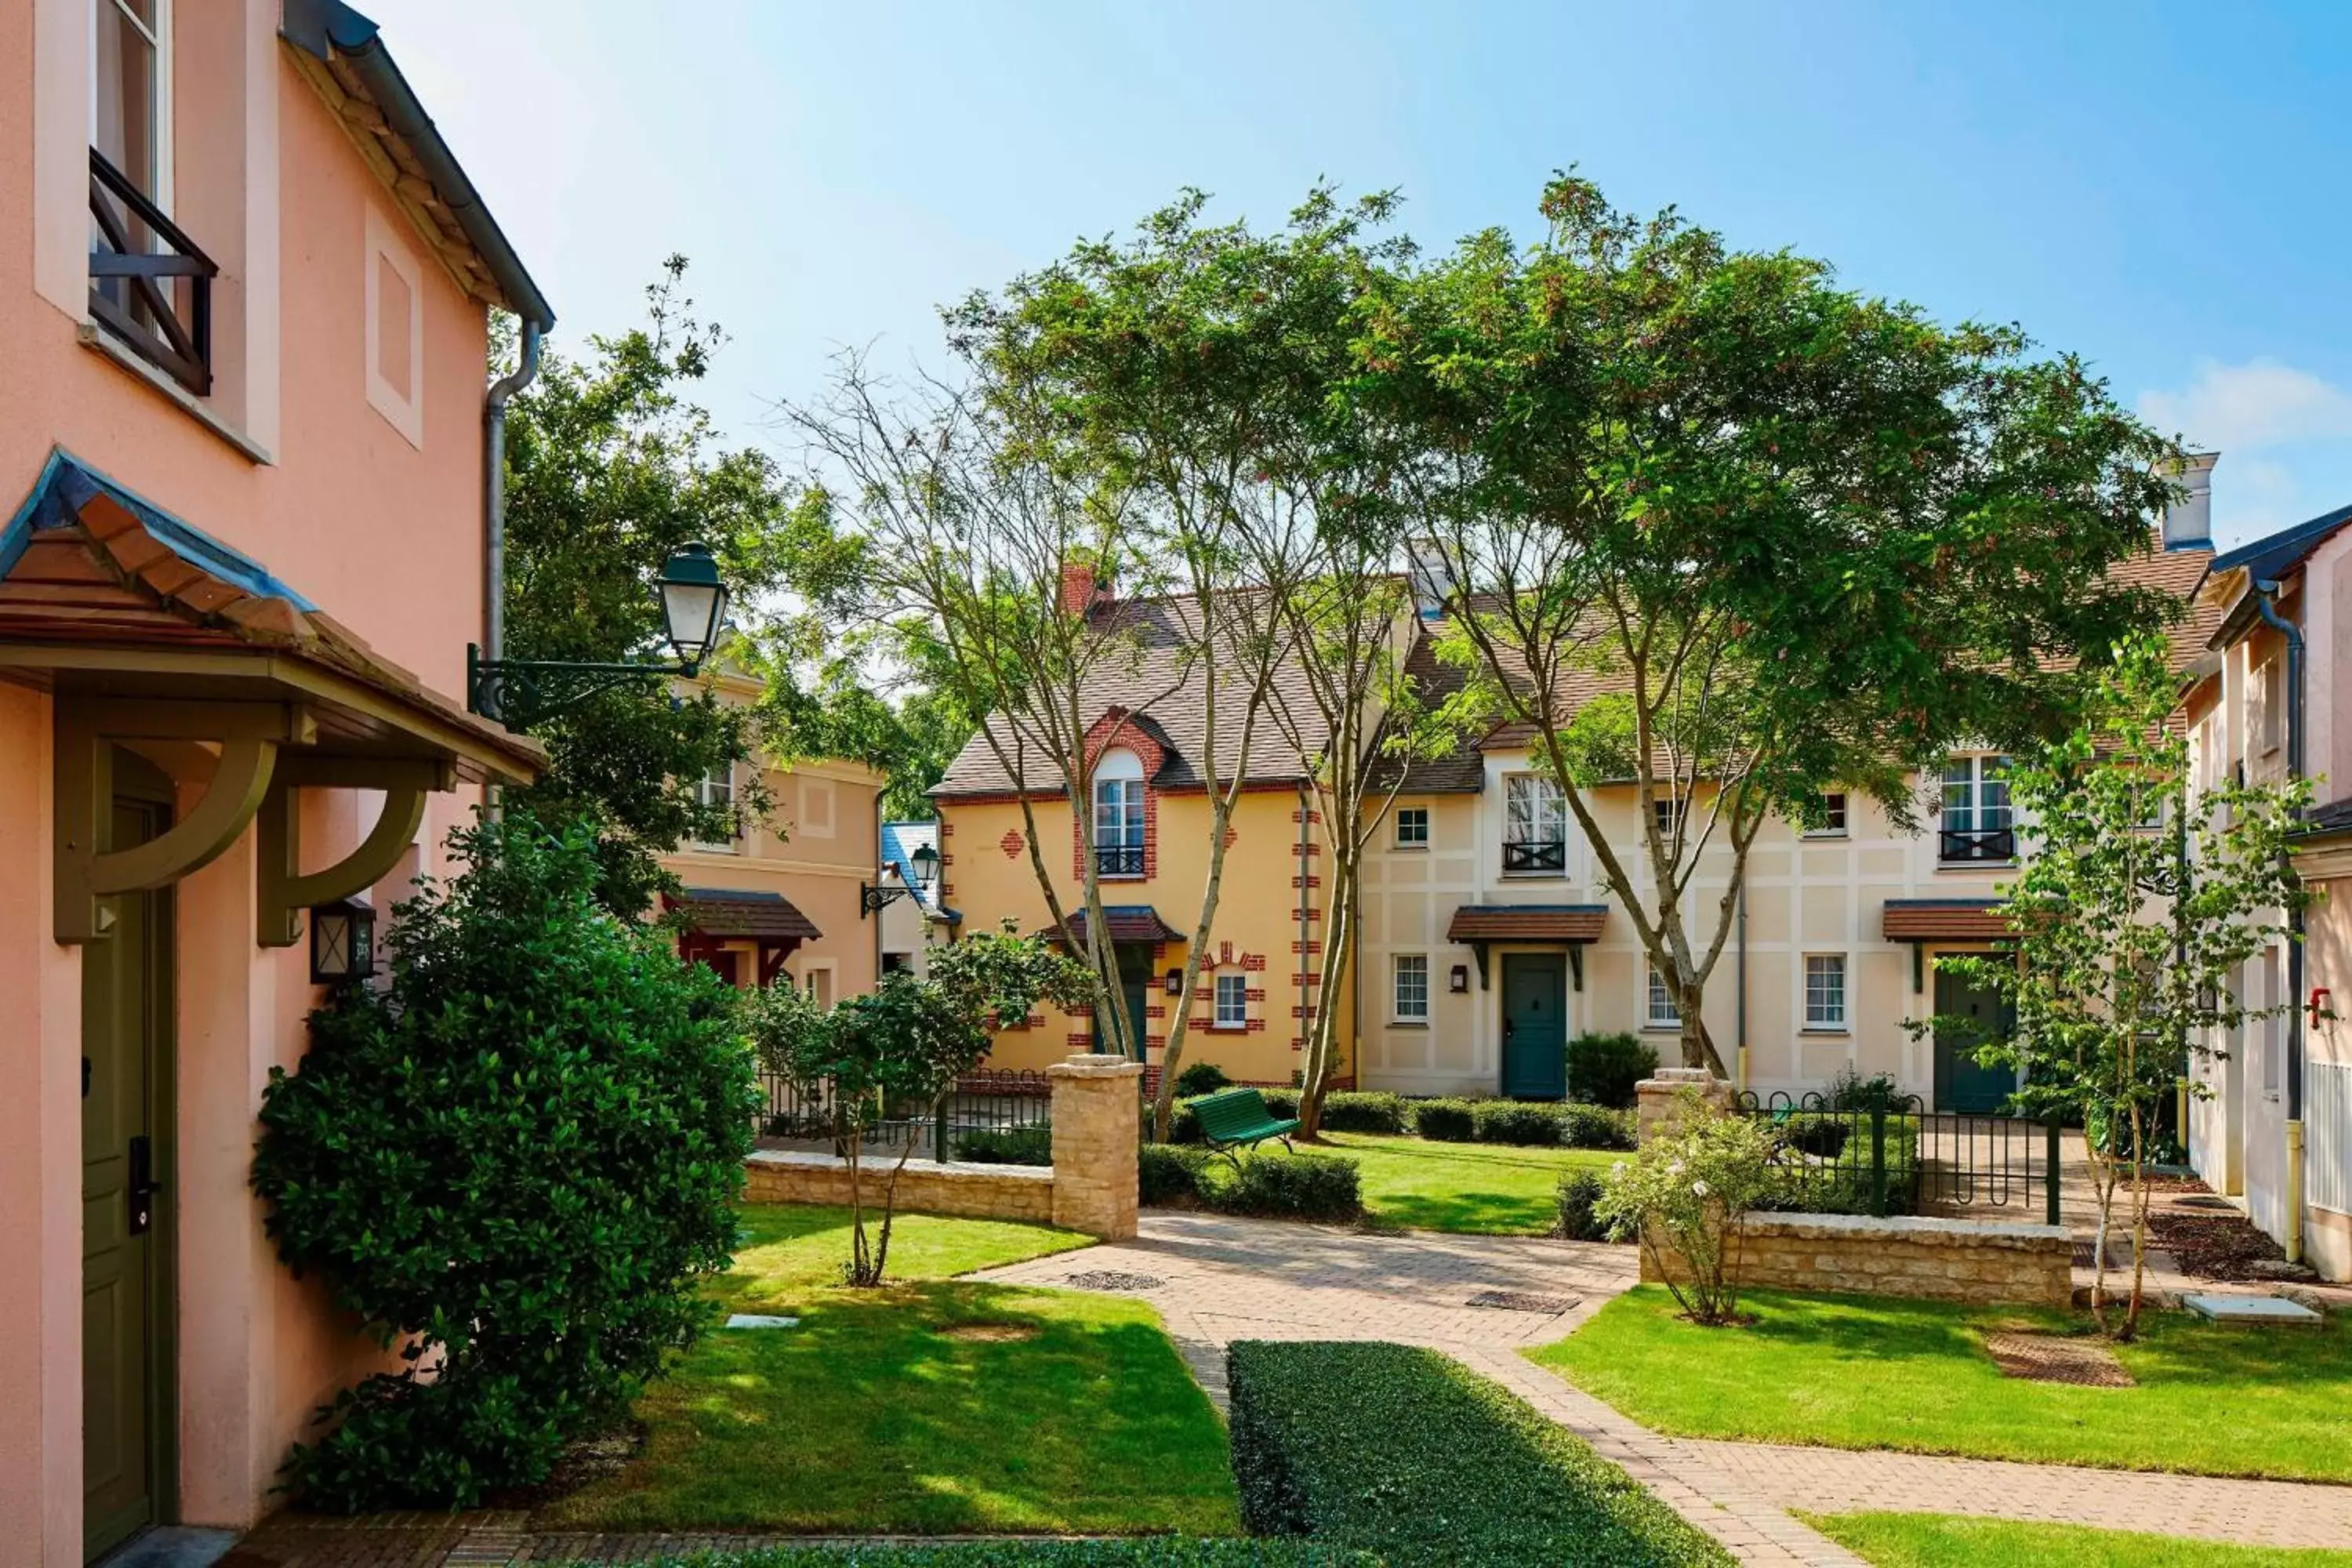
(244, 311)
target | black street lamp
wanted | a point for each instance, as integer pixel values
(872, 899)
(520, 692)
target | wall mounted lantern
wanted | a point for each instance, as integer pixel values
(342, 943)
(1175, 983)
(520, 692)
(872, 899)
(1458, 981)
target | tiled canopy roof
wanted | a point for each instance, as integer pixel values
(1943, 920)
(730, 913)
(1126, 922)
(1528, 922)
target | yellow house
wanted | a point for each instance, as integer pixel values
(1151, 816)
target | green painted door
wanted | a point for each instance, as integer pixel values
(1134, 984)
(1535, 1026)
(1961, 1084)
(126, 1362)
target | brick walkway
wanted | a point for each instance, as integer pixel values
(1222, 1279)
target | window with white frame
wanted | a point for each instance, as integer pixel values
(1412, 828)
(1535, 825)
(1233, 1001)
(131, 95)
(715, 791)
(1667, 810)
(1832, 817)
(1119, 814)
(1825, 991)
(1975, 821)
(1659, 1011)
(1411, 991)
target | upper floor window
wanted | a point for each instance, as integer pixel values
(1667, 811)
(1233, 1001)
(715, 791)
(131, 105)
(1535, 825)
(2267, 722)
(1412, 828)
(1832, 817)
(1119, 814)
(1976, 817)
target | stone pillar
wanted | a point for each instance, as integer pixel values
(1656, 1096)
(1097, 1127)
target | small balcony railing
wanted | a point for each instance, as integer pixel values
(1535, 855)
(149, 284)
(1118, 859)
(1989, 843)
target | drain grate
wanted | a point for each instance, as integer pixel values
(1111, 1279)
(2086, 1255)
(2203, 1201)
(1522, 1301)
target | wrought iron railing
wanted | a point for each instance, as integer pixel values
(988, 1103)
(158, 302)
(1882, 1153)
(1535, 855)
(1991, 844)
(1118, 859)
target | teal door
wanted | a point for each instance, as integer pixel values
(1535, 1026)
(1961, 1084)
(1134, 984)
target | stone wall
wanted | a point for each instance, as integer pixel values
(1658, 1099)
(1937, 1259)
(970, 1192)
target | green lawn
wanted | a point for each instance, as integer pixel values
(927, 1407)
(1483, 1188)
(1864, 1372)
(1952, 1540)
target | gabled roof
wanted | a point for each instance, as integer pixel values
(2263, 559)
(732, 913)
(900, 842)
(1126, 922)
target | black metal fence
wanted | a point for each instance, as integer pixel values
(986, 1103)
(1887, 1154)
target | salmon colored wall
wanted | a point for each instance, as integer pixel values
(1257, 912)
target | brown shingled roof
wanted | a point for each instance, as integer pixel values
(1528, 922)
(1127, 922)
(731, 914)
(1943, 920)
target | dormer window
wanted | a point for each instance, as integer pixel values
(1119, 814)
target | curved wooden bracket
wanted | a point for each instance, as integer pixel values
(85, 873)
(285, 891)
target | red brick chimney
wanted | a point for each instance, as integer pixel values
(1084, 592)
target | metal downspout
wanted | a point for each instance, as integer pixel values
(1306, 995)
(2266, 601)
(494, 493)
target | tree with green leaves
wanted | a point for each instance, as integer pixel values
(610, 469)
(1801, 539)
(898, 1050)
(2142, 899)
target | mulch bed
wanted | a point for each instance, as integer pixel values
(2214, 1246)
(2057, 1358)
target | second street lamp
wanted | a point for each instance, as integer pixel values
(872, 899)
(520, 692)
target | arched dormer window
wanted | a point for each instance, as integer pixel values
(1119, 814)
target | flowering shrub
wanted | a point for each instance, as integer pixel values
(1688, 1192)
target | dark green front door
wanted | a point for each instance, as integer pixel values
(126, 1274)
(1961, 1085)
(1535, 1026)
(1134, 984)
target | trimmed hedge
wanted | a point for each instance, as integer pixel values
(1603, 1069)
(1595, 1127)
(1446, 1121)
(1146, 1552)
(1403, 1453)
(1366, 1110)
(1280, 1186)
(1579, 1192)
(1167, 1173)
(1509, 1121)
(1199, 1078)
(1006, 1146)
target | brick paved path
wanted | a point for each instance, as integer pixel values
(1224, 1280)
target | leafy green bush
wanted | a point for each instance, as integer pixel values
(1603, 1069)
(1579, 1191)
(1288, 1186)
(1199, 1078)
(1183, 1126)
(1510, 1121)
(1687, 1192)
(1403, 1453)
(517, 1160)
(1445, 1121)
(1359, 1110)
(1595, 1127)
(1006, 1146)
(1166, 1173)
(1280, 1103)
(1850, 1091)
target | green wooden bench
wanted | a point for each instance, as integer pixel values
(1234, 1118)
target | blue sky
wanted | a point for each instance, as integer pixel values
(2164, 189)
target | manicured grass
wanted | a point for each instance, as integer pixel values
(1492, 1189)
(926, 1407)
(1953, 1541)
(1867, 1372)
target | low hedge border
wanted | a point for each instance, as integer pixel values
(1147, 1552)
(1547, 1123)
(1402, 1453)
(1277, 1186)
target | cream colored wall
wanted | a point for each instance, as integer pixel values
(987, 875)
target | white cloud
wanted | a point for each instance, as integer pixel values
(2251, 407)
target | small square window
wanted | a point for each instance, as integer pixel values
(1411, 988)
(1661, 1012)
(1825, 991)
(1233, 1001)
(1832, 819)
(1412, 828)
(1668, 811)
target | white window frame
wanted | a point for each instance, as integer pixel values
(707, 791)
(1420, 815)
(1820, 1016)
(1119, 819)
(1654, 994)
(1231, 993)
(1835, 808)
(1401, 965)
(1981, 773)
(1537, 800)
(1668, 811)
(162, 39)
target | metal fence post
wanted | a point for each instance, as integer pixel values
(2050, 1212)
(940, 1131)
(1878, 1161)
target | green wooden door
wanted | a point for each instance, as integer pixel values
(1134, 984)
(1962, 1085)
(126, 1362)
(1535, 1026)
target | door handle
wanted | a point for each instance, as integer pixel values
(141, 1189)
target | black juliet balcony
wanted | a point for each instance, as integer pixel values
(149, 286)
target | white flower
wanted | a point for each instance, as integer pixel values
(1674, 1168)
(1698, 1189)
(1617, 1168)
